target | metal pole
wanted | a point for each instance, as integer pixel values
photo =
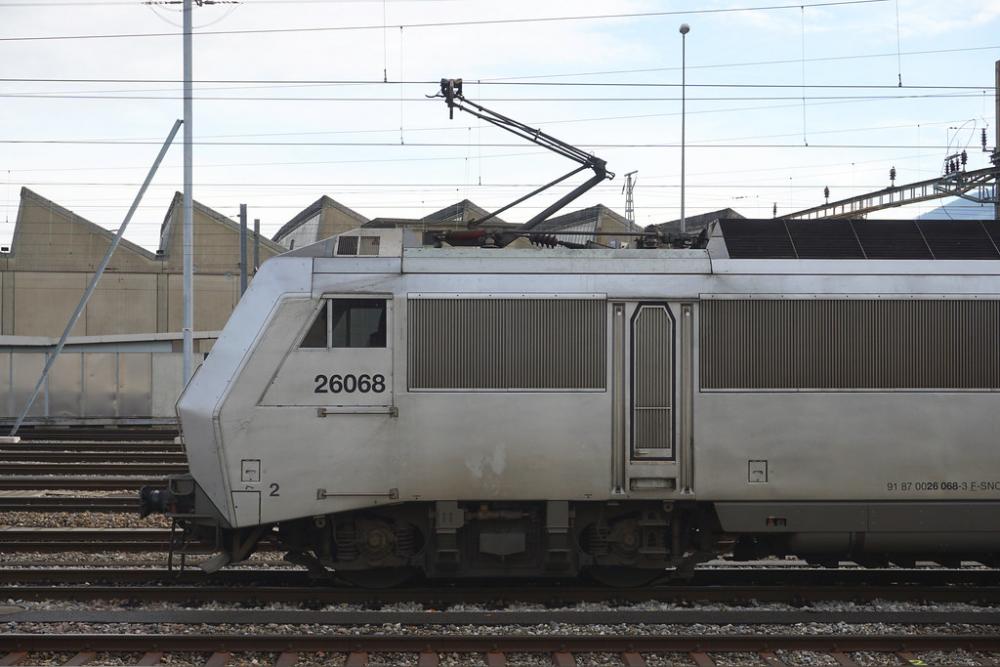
(685, 28)
(256, 245)
(188, 201)
(996, 147)
(93, 281)
(243, 248)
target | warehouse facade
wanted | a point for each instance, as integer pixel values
(54, 253)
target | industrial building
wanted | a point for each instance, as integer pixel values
(122, 363)
(54, 252)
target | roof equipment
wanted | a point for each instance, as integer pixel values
(451, 91)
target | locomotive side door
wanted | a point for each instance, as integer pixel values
(652, 341)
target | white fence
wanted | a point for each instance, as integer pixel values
(124, 381)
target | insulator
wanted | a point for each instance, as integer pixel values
(544, 240)
(965, 158)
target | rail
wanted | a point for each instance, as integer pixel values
(562, 648)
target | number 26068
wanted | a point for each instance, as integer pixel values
(348, 384)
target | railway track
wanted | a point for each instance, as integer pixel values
(71, 504)
(86, 465)
(288, 649)
(316, 593)
(84, 468)
(500, 617)
(36, 482)
(14, 540)
(288, 585)
(94, 446)
(119, 456)
(105, 433)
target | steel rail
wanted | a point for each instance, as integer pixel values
(79, 482)
(166, 591)
(247, 585)
(789, 583)
(847, 580)
(13, 540)
(92, 468)
(102, 433)
(94, 446)
(116, 457)
(504, 617)
(102, 504)
(274, 643)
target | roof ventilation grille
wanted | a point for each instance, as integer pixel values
(347, 245)
(358, 245)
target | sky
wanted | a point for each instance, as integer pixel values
(295, 99)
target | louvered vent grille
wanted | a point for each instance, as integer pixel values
(507, 344)
(652, 418)
(849, 344)
(358, 245)
(347, 245)
(369, 245)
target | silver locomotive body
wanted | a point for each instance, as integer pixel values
(473, 411)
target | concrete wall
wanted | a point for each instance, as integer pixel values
(94, 385)
(215, 298)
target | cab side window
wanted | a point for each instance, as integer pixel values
(348, 323)
(316, 336)
(358, 322)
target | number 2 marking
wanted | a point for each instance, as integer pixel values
(274, 489)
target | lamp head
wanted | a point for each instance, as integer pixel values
(685, 28)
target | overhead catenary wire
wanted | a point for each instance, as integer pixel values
(545, 100)
(747, 63)
(617, 86)
(595, 84)
(132, 3)
(446, 24)
(418, 186)
(805, 139)
(495, 155)
(899, 49)
(371, 144)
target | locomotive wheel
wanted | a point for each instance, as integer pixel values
(378, 578)
(624, 577)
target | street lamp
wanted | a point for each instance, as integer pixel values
(685, 29)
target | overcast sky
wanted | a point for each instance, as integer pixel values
(747, 141)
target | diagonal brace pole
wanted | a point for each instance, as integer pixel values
(97, 276)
